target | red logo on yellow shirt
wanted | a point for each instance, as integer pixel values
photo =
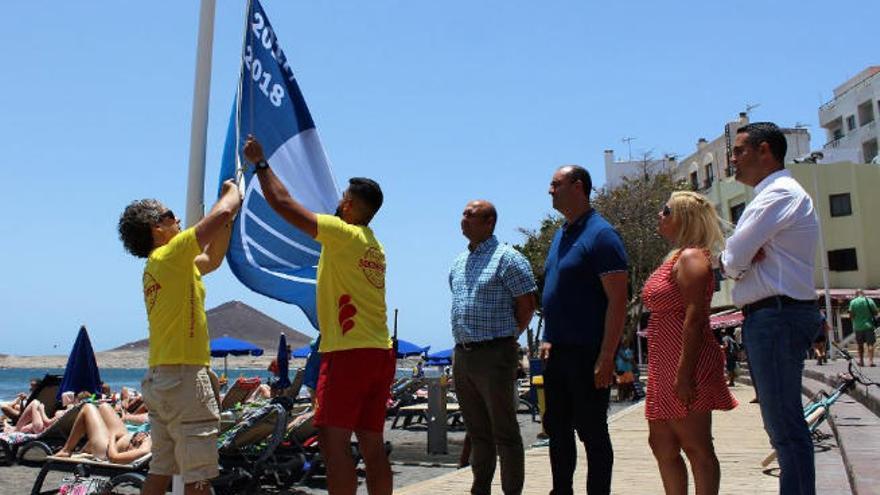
(373, 266)
(347, 310)
(151, 291)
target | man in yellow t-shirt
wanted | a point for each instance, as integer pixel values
(357, 361)
(178, 389)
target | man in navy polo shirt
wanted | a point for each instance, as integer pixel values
(584, 308)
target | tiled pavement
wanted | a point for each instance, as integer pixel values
(740, 442)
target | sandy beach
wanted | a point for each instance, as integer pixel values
(410, 461)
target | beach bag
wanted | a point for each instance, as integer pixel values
(84, 486)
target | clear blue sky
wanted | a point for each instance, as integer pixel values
(441, 102)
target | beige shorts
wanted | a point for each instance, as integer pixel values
(184, 421)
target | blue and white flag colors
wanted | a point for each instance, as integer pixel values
(266, 253)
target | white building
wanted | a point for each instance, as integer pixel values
(850, 119)
(710, 163)
(615, 171)
(708, 170)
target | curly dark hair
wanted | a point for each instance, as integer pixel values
(135, 226)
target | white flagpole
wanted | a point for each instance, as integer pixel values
(195, 189)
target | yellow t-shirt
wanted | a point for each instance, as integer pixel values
(351, 287)
(175, 299)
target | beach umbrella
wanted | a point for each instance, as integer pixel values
(224, 346)
(81, 373)
(283, 365)
(440, 358)
(405, 348)
(301, 352)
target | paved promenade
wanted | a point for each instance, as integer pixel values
(739, 440)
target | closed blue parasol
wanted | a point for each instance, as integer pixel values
(440, 358)
(405, 349)
(301, 352)
(224, 346)
(283, 367)
(81, 373)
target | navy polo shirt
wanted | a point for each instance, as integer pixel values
(574, 300)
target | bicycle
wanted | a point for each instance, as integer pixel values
(816, 411)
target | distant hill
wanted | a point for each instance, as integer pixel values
(238, 320)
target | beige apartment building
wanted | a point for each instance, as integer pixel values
(708, 171)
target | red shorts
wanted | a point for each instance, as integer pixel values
(353, 389)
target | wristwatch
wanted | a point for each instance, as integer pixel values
(261, 165)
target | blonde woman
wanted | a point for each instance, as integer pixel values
(685, 363)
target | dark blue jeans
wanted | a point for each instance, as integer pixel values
(777, 340)
(575, 405)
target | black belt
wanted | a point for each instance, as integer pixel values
(469, 346)
(775, 302)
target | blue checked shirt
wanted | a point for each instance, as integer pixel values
(484, 284)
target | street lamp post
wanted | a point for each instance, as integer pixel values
(813, 160)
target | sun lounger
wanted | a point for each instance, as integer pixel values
(404, 394)
(243, 452)
(130, 476)
(46, 392)
(239, 392)
(32, 448)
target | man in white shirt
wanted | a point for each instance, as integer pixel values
(771, 256)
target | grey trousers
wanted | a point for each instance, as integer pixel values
(485, 382)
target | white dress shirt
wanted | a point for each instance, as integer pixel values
(781, 220)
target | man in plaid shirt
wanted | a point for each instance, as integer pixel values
(493, 300)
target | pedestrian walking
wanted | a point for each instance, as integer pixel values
(862, 311)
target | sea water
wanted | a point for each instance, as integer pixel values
(15, 380)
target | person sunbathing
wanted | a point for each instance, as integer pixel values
(32, 420)
(13, 409)
(107, 438)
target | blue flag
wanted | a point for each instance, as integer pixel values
(266, 253)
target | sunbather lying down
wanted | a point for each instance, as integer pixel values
(33, 419)
(107, 438)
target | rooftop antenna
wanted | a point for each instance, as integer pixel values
(628, 140)
(751, 106)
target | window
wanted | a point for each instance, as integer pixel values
(837, 134)
(851, 122)
(840, 205)
(869, 150)
(695, 182)
(736, 211)
(710, 173)
(866, 113)
(843, 260)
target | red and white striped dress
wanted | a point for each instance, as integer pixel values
(662, 298)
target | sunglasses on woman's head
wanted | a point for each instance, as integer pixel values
(666, 211)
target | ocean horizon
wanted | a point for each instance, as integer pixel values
(15, 380)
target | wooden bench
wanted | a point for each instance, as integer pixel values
(419, 412)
